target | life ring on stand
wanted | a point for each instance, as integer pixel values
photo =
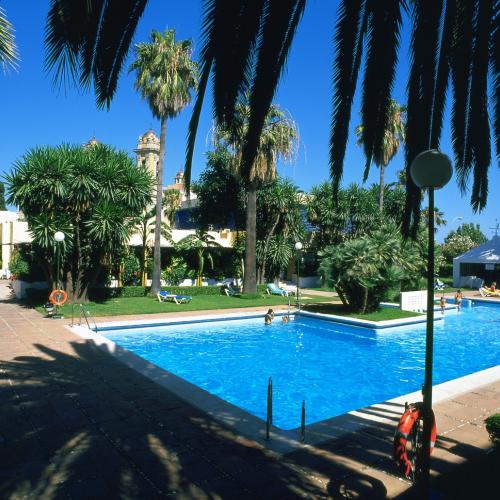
(58, 297)
(408, 430)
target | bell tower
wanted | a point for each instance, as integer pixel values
(148, 151)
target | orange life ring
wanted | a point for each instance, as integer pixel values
(58, 297)
(408, 420)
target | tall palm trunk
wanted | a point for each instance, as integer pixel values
(382, 186)
(156, 284)
(250, 277)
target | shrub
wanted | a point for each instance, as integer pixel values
(131, 269)
(368, 270)
(493, 427)
(18, 266)
(176, 272)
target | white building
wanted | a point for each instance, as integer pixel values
(482, 262)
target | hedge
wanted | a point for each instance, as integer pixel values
(104, 293)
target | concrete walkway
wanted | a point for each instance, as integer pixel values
(77, 423)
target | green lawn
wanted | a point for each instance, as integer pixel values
(149, 305)
(340, 310)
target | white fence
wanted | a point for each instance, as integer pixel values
(414, 301)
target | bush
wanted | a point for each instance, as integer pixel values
(493, 427)
(175, 272)
(18, 266)
(131, 270)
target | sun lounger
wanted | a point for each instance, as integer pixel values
(272, 289)
(230, 291)
(486, 292)
(164, 296)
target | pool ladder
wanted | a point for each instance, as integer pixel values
(85, 314)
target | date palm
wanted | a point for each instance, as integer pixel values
(165, 77)
(278, 140)
(8, 49)
(393, 137)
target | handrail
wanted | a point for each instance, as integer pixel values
(86, 314)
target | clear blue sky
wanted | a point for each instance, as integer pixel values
(33, 112)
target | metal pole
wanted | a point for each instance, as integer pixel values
(298, 277)
(429, 345)
(303, 421)
(269, 415)
(57, 275)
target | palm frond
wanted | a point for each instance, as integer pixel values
(478, 127)
(280, 20)
(9, 55)
(348, 42)
(495, 66)
(206, 61)
(442, 76)
(382, 43)
(88, 42)
(421, 86)
(461, 66)
(236, 29)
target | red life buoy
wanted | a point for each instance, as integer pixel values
(58, 297)
(407, 425)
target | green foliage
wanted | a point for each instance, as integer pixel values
(175, 272)
(220, 195)
(171, 203)
(91, 194)
(18, 266)
(473, 232)
(456, 245)
(131, 270)
(3, 206)
(355, 213)
(493, 427)
(366, 269)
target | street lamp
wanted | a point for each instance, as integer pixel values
(59, 237)
(429, 170)
(298, 247)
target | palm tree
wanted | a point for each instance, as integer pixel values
(394, 135)
(200, 243)
(278, 140)
(246, 45)
(171, 203)
(165, 77)
(8, 49)
(145, 225)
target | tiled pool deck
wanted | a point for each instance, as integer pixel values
(75, 422)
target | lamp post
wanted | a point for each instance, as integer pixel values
(59, 237)
(429, 170)
(298, 248)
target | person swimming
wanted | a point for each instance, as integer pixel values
(285, 319)
(268, 318)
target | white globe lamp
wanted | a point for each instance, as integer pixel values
(59, 236)
(431, 169)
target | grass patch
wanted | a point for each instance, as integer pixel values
(382, 314)
(150, 305)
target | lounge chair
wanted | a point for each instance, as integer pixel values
(439, 285)
(272, 289)
(229, 290)
(486, 292)
(164, 296)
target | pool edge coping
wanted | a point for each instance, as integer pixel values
(250, 426)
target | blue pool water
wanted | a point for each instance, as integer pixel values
(335, 368)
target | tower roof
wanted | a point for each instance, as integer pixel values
(148, 140)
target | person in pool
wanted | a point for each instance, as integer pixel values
(268, 318)
(442, 303)
(458, 299)
(285, 319)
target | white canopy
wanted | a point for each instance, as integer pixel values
(487, 254)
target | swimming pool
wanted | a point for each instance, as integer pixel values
(335, 368)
